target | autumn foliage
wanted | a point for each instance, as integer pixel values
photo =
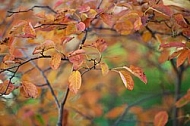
(60, 60)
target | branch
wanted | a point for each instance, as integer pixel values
(31, 9)
(61, 109)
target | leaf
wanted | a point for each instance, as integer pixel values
(55, 61)
(182, 57)
(138, 72)
(186, 32)
(100, 44)
(29, 31)
(124, 27)
(180, 20)
(175, 54)
(146, 36)
(127, 79)
(80, 26)
(83, 8)
(48, 44)
(75, 81)
(183, 100)
(161, 118)
(108, 19)
(77, 58)
(115, 112)
(137, 24)
(58, 3)
(6, 87)
(28, 89)
(104, 68)
(163, 9)
(172, 44)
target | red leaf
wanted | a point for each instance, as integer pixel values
(58, 3)
(182, 57)
(180, 20)
(172, 44)
(161, 118)
(77, 58)
(84, 8)
(163, 9)
(6, 87)
(138, 72)
(81, 26)
(55, 61)
(28, 89)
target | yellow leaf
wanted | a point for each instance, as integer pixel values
(182, 57)
(75, 81)
(104, 68)
(127, 79)
(28, 89)
(55, 60)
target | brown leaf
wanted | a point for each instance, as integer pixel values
(104, 68)
(127, 79)
(161, 118)
(75, 81)
(175, 54)
(172, 44)
(108, 19)
(28, 89)
(55, 61)
(182, 57)
(183, 100)
(146, 36)
(6, 87)
(163, 9)
(138, 72)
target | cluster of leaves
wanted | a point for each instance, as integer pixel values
(63, 38)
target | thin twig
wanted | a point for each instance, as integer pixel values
(31, 9)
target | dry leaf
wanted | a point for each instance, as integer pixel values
(183, 100)
(28, 89)
(100, 44)
(48, 44)
(75, 81)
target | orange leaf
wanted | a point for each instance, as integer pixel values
(29, 31)
(175, 54)
(6, 87)
(161, 118)
(163, 9)
(55, 60)
(75, 81)
(127, 79)
(146, 36)
(28, 89)
(138, 72)
(115, 112)
(100, 44)
(182, 57)
(104, 68)
(48, 44)
(183, 100)
(124, 27)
